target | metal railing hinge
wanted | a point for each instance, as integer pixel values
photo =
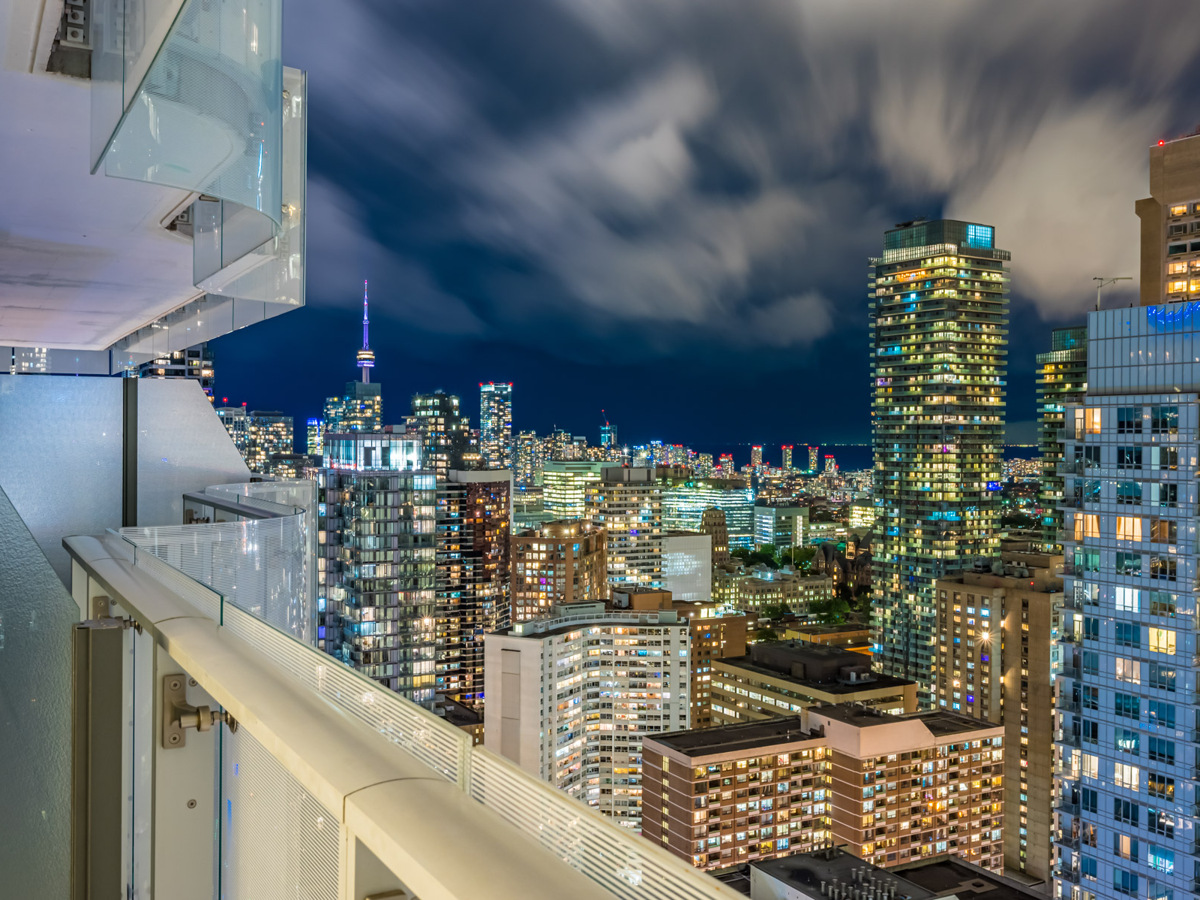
(178, 715)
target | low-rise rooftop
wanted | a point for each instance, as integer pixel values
(744, 736)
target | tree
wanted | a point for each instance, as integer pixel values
(776, 611)
(766, 634)
(830, 612)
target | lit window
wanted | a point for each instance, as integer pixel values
(1160, 640)
(1092, 418)
(1129, 528)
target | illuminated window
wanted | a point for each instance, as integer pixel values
(1177, 286)
(1160, 640)
(1127, 599)
(1126, 776)
(1178, 210)
(1177, 268)
(1092, 419)
(1129, 528)
(1087, 525)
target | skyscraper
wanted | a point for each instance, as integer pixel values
(564, 486)
(545, 714)
(813, 454)
(627, 504)
(1127, 799)
(939, 305)
(445, 433)
(560, 562)
(193, 362)
(756, 458)
(268, 433)
(473, 575)
(315, 436)
(377, 593)
(495, 425)
(785, 459)
(1062, 380)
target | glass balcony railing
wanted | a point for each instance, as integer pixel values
(309, 777)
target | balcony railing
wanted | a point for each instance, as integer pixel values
(329, 780)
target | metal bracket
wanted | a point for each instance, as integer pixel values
(102, 611)
(178, 715)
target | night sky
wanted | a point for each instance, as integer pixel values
(664, 208)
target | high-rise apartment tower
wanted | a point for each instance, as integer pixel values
(939, 308)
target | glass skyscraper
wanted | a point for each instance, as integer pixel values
(1062, 379)
(939, 313)
(1128, 731)
(495, 425)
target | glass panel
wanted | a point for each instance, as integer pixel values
(201, 103)
(36, 615)
(276, 841)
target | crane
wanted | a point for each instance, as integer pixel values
(1104, 282)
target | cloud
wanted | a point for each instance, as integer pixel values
(342, 252)
(682, 174)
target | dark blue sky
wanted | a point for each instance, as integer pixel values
(664, 208)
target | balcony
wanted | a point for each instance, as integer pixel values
(311, 776)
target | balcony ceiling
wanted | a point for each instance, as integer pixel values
(84, 259)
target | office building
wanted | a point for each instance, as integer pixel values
(195, 363)
(565, 484)
(687, 565)
(785, 459)
(528, 459)
(627, 504)
(268, 434)
(495, 425)
(360, 408)
(561, 562)
(780, 678)
(938, 423)
(889, 789)
(608, 437)
(473, 575)
(997, 654)
(861, 520)
(712, 523)
(685, 498)
(445, 433)
(779, 526)
(761, 588)
(1062, 381)
(315, 437)
(1126, 750)
(237, 423)
(378, 560)
(572, 695)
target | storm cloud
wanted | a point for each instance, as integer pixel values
(700, 174)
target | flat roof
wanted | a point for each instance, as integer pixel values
(938, 721)
(734, 738)
(877, 682)
(947, 875)
(806, 871)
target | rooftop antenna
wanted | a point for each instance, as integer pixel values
(366, 356)
(1104, 282)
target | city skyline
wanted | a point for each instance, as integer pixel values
(457, 303)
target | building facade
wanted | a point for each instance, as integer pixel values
(377, 560)
(939, 307)
(627, 504)
(473, 575)
(193, 362)
(1062, 380)
(565, 484)
(687, 568)
(889, 789)
(571, 697)
(997, 657)
(779, 526)
(684, 500)
(495, 425)
(557, 563)
(445, 432)
(783, 677)
(360, 408)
